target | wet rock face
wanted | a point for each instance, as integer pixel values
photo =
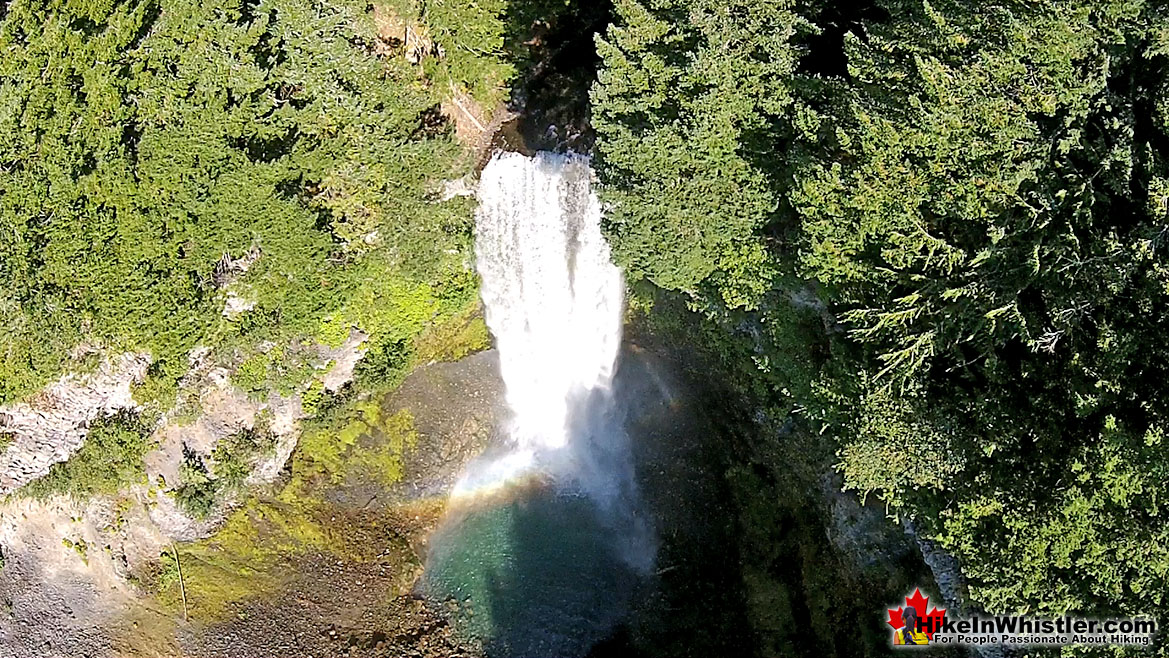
(53, 425)
(456, 409)
(861, 532)
(551, 99)
(694, 603)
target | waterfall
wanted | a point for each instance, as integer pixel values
(553, 301)
(546, 540)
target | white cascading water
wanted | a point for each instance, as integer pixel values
(546, 533)
(553, 301)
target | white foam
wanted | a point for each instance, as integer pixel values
(553, 300)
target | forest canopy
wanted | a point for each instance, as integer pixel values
(931, 233)
(158, 157)
(938, 229)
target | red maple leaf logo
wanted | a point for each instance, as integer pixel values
(929, 623)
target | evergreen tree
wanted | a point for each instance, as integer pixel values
(976, 197)
(147, 145)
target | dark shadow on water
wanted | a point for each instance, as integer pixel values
(550, 568)
(535, 577)
(694, 603)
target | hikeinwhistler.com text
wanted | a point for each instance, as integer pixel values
(1021, 630)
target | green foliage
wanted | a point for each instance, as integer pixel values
(252, 374)
(234, 456)
(478, 28)
(393, 315)
(110, 458)
(157, 156)
(972, 199)
(313, 396)
(900, 445)
(384, 365)
(202, 488)
(198, 493)
(355, 439)
(168, 140)
(280, 369)
(986, 271)
(463, 334)
(80, 547)
(483, 44)
(680, 119)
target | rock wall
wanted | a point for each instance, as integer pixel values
(53, 425)
(66, 565)
(226, 410)
(947, 572)
(64, 585)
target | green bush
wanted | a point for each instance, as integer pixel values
(198, 493)
(110, 459)
(201, 489)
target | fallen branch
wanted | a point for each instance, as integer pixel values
(182, 587)
(455, 100)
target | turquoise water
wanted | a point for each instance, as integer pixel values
(540, 574)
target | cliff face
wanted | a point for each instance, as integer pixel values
(312, 563)
(53, 425)
(66, 583)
